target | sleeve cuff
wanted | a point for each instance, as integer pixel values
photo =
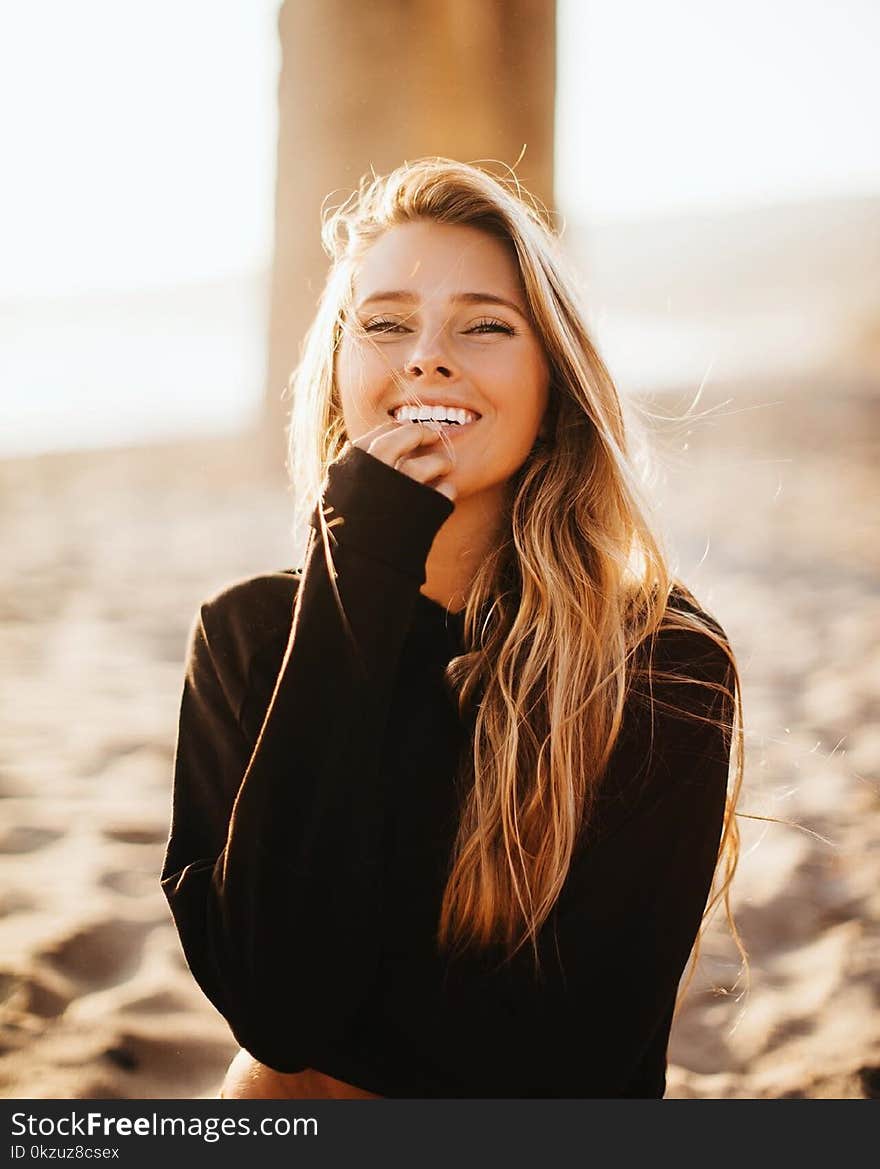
(387, 515)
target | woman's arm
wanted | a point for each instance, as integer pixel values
(273, 865)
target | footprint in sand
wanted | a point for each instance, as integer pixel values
(26, 838)
(16, 901)
(112, 752)
(131, 882)
(157, 1002)
(136, 833)
(153, 1054)
(98, 954)
(29, 993)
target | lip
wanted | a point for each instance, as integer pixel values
(456, 433)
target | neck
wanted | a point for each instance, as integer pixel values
(460, 547)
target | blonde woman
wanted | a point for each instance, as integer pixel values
(451, 799)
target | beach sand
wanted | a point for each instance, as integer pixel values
(769, 503)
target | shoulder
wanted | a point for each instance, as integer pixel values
(241, 622)
(253, 606)
(678, 717)
(691, 640)
(675, 737)
(684, 674)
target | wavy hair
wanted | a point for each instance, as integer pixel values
(576, 587)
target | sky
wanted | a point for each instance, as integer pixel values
(138, 139)
(696, 105)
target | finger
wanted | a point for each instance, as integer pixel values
(391, 445)
(424, 465)
(415, 431)
(367, 437)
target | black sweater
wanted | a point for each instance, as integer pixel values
(314, 810)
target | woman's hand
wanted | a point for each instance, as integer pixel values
(248, 1079)
(411, 447)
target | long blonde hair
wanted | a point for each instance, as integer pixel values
(577, 585)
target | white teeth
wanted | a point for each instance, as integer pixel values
(434, 414)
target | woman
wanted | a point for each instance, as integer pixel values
(450, 800)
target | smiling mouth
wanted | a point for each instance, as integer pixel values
(446, 423)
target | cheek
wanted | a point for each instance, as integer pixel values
(347, 370)
(358, 372)
(523, 387)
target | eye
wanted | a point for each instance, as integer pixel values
(491, 325)
(381, 326)
(487, 325)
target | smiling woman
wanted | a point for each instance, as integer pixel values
(453, 800)
(432, 348)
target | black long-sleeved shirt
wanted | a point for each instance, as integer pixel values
(314, 811)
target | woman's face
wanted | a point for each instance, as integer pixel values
(439, 318)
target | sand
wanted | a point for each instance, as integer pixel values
(769, 505)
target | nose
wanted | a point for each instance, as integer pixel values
(428, 357)
(424, 366)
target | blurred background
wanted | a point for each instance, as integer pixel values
(716, 176)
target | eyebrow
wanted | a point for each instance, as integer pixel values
(461, 298)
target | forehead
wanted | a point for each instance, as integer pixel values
(437, 260)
